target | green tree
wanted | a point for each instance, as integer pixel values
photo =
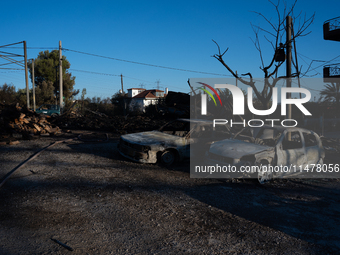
(121, 102)
(83, 93)
(21, 96)
(46, 73)
(44, 93)
(331, 93)
(7, 94)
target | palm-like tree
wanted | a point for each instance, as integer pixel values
(331, 94)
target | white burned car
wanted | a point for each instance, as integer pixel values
(172, 142)
(295, 148)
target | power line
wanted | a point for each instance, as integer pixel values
(12, 68)
(314, 60)
(107, 74)
(35, 48)
(145, 64)
(83, 71)
(11, 71)
(11, 44)
(137, 79)
(152, 65)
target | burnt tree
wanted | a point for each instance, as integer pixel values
(275, 37)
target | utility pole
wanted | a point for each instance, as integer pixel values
(158, 84)
(121, 82)
(26, 76)
(60, 78)
(124, 99)
(33, 84)
(289, 61)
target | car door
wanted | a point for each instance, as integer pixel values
(291, 152)
(200, 140)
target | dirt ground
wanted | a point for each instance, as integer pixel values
(86, 196)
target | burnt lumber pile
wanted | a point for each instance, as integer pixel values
(16, 120)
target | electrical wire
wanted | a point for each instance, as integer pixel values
(107, 74)
(10, 44)
(324, 62)
(34, 48)
(83, 71)
(11, 68)
(158, 66)
(153, 65)
(141, 63)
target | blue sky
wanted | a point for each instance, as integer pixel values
(175, 34)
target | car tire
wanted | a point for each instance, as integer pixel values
(168, 158)
(53, 115)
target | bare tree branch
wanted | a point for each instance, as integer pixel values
(275, 36)
(219, 49)
(264, 30)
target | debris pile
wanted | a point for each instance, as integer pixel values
(331, 143)
(16, 120)
(177, 104)
(115, 124)
(332, 148)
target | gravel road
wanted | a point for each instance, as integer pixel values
(86, 196)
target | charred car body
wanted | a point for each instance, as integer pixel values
(275, 146)
(170, 143)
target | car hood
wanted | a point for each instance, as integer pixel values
(152, 137)
(236, 148)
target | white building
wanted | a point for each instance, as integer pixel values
(134, 92)
(140, 98)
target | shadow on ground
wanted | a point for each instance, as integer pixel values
(305, 209)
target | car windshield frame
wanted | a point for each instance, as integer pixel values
(175, 131)
(255, 133)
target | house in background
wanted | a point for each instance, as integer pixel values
(141, 98)
(134, 92)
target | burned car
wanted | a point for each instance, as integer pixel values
(171, 143)
(296, 148)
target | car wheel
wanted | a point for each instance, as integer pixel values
(264, 176)
(54, 115)
(168, 158)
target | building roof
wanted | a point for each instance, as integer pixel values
(148, 94)
(145, 94)
(137, 88)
